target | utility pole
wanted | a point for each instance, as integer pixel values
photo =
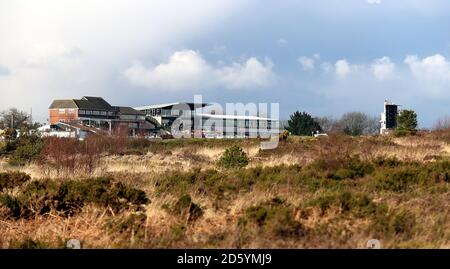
(12, 121)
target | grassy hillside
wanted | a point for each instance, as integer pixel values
(332, 192)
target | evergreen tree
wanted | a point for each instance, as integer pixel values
(302, 124)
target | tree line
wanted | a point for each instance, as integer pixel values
(351, 123)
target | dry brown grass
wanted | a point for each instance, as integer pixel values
(219, 226)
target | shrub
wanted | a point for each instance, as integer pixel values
(358, 204)
(59, 154)
(10, 180)
(133, 223)
(68, 156)
(283, 136)
(341, 167)
(440, 171)
(208, 182)
(273, 218)
(100, 191)
(352, 168)
(28, 147)
(27, 243)
(403, 132)
(2, 147)
(396, 222)
(398, 179)
(185, 208)
(177, 231)
(13, 204)
(233, 157)
(40, 197)
(386, 161)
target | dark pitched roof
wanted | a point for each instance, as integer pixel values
(97, 102)
(85, 104)
(69, 103)
(125, 110)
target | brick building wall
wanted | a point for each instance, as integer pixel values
(62, 114)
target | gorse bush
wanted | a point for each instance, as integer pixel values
(386, 161)
(358, 204)
(397, 179)
(233, 157)
(28, 243)
(132, 223)
(26, 149)
(345, 167)
(10, 180)
(352, 168)
(273, 218)
(187, 209)
(283, 136)
(40, 197)
(395, 222)
(383, 220)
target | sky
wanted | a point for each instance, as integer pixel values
(325, 57)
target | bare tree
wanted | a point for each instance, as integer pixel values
(442, 124)
(373, 125)
(329, 124)
(13, 118)
(358, 123)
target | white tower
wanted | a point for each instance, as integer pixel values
(389, 117)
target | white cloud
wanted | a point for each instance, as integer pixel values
(64, 48)
(282, 42)
(187, 70)
(308, 63)
(433, 68)
(327, 67)
(383, 68)
(342, 68)
(248, 75)
(374, 2)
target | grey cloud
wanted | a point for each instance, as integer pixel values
(4, 71)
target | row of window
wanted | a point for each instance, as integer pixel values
(240, 123)
(69, 110)
(95, 112)
(166, 112)
(153, 112)
(132, 117)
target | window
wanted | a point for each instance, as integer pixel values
(103, 113)
(71, 110)
(110, 113)
(81, 111)
(95, 112)
(88, 112)
(62, 111)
